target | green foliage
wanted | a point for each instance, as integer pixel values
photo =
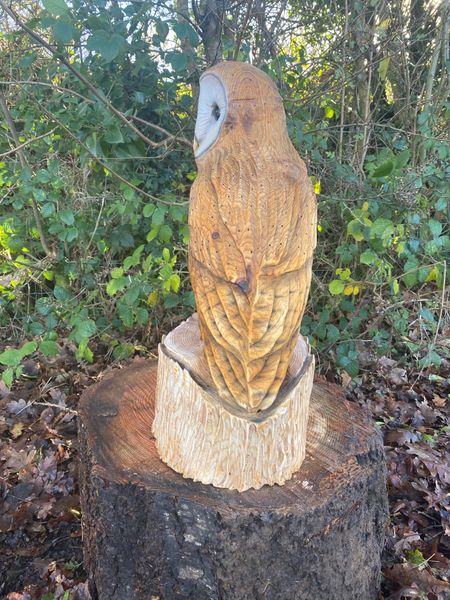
(113, 207)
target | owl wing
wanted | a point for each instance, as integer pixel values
(250, 255)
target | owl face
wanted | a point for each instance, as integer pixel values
(211, 113)
(240, 100)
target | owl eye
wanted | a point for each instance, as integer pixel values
(212, 109)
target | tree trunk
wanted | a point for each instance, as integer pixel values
(150, 534)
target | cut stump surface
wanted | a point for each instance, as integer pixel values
(148, 532)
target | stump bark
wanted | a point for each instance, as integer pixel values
(150, 534)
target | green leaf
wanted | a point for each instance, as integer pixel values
(336, 287)
(47, 209)
(27, 348)
(149, 209)
(381, 228)
(11, 358)
(48, 348)
(116, 285)
(186, 31)
(84, 352)
(152, 233)
(66, 216)
(126, 315)
(368, 257)
(93, 144)
(71, 234)
(178, 60)
(355, 229)
(162, 29)
(84, 329)
(165, 233)
(56, 7)
(435, 227)
(158, 215)
(63, 32)
(402, 159)
(114, 135)
(107, 44)
(383, 67)
(384, 169)
(175, 281)
(16, 243)
(395, 286)
(8, 376)
(123, 351)
(441, 205)
(132, 295)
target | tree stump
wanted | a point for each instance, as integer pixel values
(150, 534)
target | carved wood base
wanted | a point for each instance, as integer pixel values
(214, 442)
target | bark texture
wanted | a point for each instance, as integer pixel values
(149, 533)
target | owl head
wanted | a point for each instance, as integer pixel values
(237, 103)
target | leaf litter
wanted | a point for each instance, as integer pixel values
(40, 526)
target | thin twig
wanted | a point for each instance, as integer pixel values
(27, 143)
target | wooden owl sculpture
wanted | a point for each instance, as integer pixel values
(252, 226)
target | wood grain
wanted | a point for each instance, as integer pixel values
(252, 222)
(207, 439)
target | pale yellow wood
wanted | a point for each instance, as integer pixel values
(252, 223)
(209, 439)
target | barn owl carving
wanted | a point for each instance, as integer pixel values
(252, 222)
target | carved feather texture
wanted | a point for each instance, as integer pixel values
(252, 226)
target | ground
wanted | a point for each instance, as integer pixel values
(40, 534)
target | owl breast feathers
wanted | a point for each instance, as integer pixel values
(252, 226)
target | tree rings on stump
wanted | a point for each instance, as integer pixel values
(150, 533)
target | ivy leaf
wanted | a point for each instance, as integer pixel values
(56, 7)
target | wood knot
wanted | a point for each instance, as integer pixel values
(243, 285)
(215, 235)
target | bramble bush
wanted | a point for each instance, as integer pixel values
(96, 167)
